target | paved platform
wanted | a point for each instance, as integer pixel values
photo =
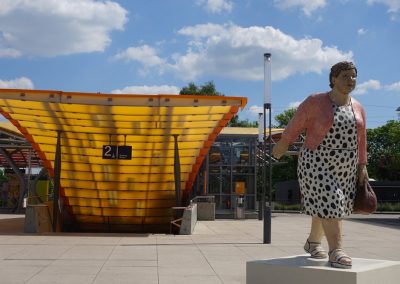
(217, 252)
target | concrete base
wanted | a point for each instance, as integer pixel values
(189, 220)
(205, 211)
(301, 269)
(37, 219)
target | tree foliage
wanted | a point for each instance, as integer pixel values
(384, 151)
(283, 118)
(207, 89)
(287, 171)
(235, 122)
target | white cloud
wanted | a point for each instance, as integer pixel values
(294, 104)
(364, 87)
(9, 52)
(19, 83)
(253, 112)
(361, 31)
(393, 87)
(216, 6)
(143, 54)
(149, 90)
(308, 6)
(237, 52)
(57, 27)
(255, 109)
(393, 5)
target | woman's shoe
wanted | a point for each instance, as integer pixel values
(315, 249)
(337, 259)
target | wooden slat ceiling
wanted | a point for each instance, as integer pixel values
(140, 190)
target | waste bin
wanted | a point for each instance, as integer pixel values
(239, 210)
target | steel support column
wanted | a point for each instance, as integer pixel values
(57, 174)
(22, 187)
(177, 173)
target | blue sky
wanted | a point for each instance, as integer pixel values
(159, 46)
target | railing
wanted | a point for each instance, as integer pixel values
(176, 223)
(203, 198)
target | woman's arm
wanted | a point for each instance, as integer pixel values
(295, 126)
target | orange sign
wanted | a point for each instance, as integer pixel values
(239, 188)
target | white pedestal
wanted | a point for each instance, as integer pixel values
(301, 269)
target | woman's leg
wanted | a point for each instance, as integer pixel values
(317, 230)
(333, 233)
(313, 243)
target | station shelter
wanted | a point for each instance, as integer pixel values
(119, 162)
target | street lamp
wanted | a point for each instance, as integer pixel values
(267, 105)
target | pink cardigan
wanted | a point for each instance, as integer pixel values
(315, 115)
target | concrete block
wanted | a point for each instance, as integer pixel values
(189, 220)
(37, 219)
(206, 211)
(302, 269)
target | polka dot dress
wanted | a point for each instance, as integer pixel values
(327, 176)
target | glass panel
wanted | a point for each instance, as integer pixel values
(226, 202)
(226, 155)
(244, 170)
(250, 202)
(226, 180)
(215, 169)
(215, 184)
(215, 155)
(252, 153)
(217, 201)
(240, 155)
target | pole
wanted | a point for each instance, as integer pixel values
(267, 105)
(177, 173)
(57, 174)
(261, 140)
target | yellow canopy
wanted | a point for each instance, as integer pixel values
(137, 191)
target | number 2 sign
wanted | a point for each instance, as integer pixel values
(109, 152)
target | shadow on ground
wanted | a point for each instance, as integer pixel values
(12, 226)
(391, 222)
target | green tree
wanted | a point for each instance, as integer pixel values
(384, 151)
(287, 168)
(207, 89)
(283, 118)
(235, 122)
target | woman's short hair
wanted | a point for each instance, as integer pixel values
(339, 67)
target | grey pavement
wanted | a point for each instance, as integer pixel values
(216, 253)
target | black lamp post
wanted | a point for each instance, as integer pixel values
(267, 105)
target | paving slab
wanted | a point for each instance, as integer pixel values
(216, 252)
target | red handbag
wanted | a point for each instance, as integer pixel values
(365, 201)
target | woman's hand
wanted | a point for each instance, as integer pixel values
(362, 174)
(280, 149)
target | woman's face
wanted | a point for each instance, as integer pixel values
(345, 82)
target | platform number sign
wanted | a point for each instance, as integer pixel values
(111, 152)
